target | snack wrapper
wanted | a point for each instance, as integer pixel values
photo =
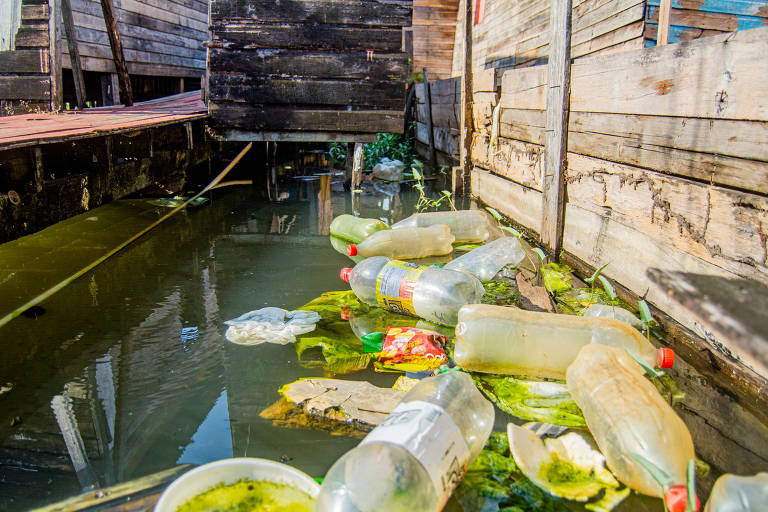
(413, 350)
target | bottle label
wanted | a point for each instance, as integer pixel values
(394, 286)
(431, 437)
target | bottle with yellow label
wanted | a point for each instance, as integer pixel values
(434, 294)
(406, 243)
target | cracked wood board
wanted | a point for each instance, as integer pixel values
(343, 400)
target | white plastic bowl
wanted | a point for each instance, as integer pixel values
(229, 471)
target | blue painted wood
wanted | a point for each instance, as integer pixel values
(744, 7)
(744, 22)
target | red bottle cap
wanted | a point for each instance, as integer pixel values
(352, 250)
(345, 273)
(344, 314)
(665, 358)
(676, 499)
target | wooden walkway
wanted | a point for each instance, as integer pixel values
(45, 128)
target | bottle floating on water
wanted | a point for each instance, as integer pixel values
(355, 229)
(413, 461)
(626, 415)
(512, 341)
(487, 260)
(732, 493)
(434, 294)
(406, 243)
(465, 225)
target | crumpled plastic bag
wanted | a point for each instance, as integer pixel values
(387, 169)
(270, 325)
(412, 349)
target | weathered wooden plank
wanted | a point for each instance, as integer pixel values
(745, 7)
(521, 204)
(482, 110)
(24, 61)
(460, 182)
(524, 88)
(140, 57)
(446, 139)
(354, 12)
(74, 59)
(679, 34)
(242, 88)
(486, 80)
(113, 31)
(32, 36)
(252, 34)
(143, 8)
(25, 88)
(556, 135)
(518, 161)
(255, 117)
(304, 136)
(428, 118)
(35, 12)
(703, 20)
(443, 115)
(620, 35)
(722, 227)
(188, 49)
(309, 63)
(636, 43)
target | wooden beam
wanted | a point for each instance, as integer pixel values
(57, 95)
(662, 36)
(74, 53)
(466, 124)
(357, 167)
(428, 100)
(558, 98)
(113, 31)
(407, 118)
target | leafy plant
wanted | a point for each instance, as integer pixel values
(337, 151)
(425, 202)
(389, 145)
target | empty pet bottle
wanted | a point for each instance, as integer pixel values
(465, 225)
(434, 294)
(629, 418)
(732, 493)
(617, 312)
(355, 229)
(406, 243)
(413, 461)
(512, 341)
(486, 261)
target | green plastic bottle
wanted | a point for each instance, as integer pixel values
(355, 229)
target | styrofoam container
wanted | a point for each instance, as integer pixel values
(229, 471)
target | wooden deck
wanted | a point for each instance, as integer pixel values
(45, 128)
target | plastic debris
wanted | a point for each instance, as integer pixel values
(617, 312)
(487, 260)
(355, 229)
(465, 225)
(407, 243)
(413, 350)
(390, 170)
(733, 493)
(270, 325)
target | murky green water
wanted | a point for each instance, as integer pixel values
(128, 372)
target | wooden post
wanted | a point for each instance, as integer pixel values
(465, 134)
(113, 31)
(662, 36)
(57, 97)
(357, 167)
(74, 53)
(348, 166)
(39, 170)
(408, 107)
(556, 133)
(428, 100)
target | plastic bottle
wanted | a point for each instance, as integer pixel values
(340, 245)
(732, 493)
(617, 312)
(417, 456)
(512, 341)
(434, 294)
(355, 229)
(378, 320)
(465, 225)
(486, 261)
(406, 243)
(626, 414)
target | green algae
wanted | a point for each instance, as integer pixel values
(250, 496)
(556, 277)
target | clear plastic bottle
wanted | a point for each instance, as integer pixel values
(340, 245)
(617, 312)
(732, 493)
(466, 225)
(378, 320)
(434, 294)
(512, 341)
(626, 414)
(406, 243)
(413, 461)
(355, 229)
(486, 261)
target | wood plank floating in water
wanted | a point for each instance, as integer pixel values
(295, 65)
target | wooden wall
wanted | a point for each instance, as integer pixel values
(692, 20)
(160, 38)
(516, 33)
(25, 83)
(434, 26)
(446, 99)
(323, 68)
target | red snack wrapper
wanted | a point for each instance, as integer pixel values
(411, 349)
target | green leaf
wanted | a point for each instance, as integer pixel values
(416, 173)
(512, 230)
(607, 287)
(658, 474)
(496, 215)
(691, 484)
(645, 311)
(446, 193)
(556, 277)
(597, 273)
(466, 247)
(542, 256)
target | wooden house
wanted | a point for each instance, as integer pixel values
(307, 69)
(648, 160)
(161, 47)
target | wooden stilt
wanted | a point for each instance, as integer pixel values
(357, 167)
(113, 31)
(461, 186)
(428, 100)
(74, 53)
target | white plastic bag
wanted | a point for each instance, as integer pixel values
(270, 325)
(387, 169)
